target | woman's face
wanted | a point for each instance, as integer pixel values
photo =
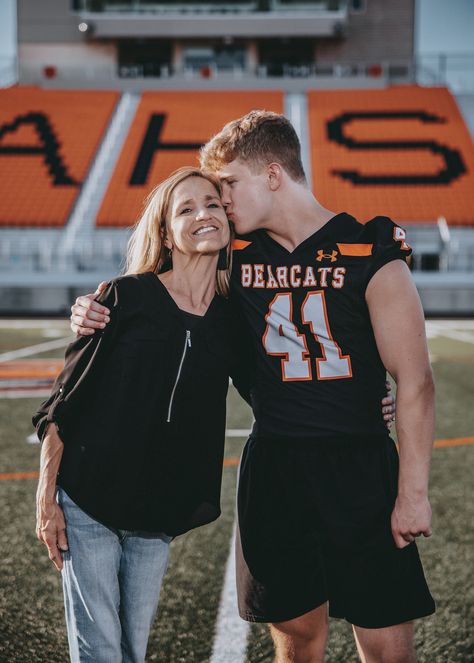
(196, 221)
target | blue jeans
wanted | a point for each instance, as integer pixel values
(111, 582)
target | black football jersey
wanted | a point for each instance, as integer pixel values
(318, 370)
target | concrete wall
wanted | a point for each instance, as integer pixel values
(385, 31)
(74, 62)
(46, 21)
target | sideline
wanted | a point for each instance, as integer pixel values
(36, 349)
(231, 633)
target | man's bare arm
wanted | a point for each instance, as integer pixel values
(50, 524)
(88, 315)
(399, 327)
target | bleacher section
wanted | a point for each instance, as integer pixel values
(75, 168)
(168, 129)
(48, 139)
(404, 152)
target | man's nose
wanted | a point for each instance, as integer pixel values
(225, 198)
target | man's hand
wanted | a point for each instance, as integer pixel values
(51, 529)
(411, 517)
(88, 315)
(388, 406)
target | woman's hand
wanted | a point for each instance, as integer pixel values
(388, 406)
(50, 524)
(51, 529)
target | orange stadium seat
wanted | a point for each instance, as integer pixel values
(404, 152)
(48, 139)
(166, 133)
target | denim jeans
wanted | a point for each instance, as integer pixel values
(111, 582)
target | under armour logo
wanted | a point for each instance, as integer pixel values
(328, 256)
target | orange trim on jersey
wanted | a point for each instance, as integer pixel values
(355, 249)
(239, 244)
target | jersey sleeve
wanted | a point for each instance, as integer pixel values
(388, 243)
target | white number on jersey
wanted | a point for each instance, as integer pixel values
(281, 338)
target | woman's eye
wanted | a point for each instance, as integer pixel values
(214, 205)
(186, 210)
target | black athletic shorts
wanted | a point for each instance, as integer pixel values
(314, 526)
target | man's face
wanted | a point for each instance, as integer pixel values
(246, 196)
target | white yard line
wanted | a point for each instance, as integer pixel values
(230, 641)
(21, 393)
(238, 432)
(34, 324)
(35, 349)
(465, 337)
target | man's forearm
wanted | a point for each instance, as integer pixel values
(415, 432)
(51, 454)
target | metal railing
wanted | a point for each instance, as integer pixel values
(455, 70)
(207, 7)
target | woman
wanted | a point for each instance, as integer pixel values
(133, 433)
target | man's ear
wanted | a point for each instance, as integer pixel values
(275, 175)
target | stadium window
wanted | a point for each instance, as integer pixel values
(358, 6)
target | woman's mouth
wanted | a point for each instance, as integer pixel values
(205, 229)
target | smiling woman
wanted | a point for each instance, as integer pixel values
(186, 196)
(128, 408)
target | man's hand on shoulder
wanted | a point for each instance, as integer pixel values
(88, 315)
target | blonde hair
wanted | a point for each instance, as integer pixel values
(146, 250)
(258, 138)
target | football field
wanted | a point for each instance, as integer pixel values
(197, 620)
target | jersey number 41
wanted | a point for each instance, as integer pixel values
(282, 339)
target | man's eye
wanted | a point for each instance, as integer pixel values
(213, 205)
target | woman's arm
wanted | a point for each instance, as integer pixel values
(81, 356)
(50, 524)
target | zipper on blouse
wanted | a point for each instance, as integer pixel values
(187, 344)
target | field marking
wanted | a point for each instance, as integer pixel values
(35, 349)
(230, 640)
(238, 432)
(7, 476)
(453, 442)
(34, 324)
(30, 369)
(26, 393)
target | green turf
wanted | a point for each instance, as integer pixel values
(31, 612)
(13, 339)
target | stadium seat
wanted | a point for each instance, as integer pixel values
(48, 139)
(167, 131)
(404, 152)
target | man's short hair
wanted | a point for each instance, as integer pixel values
(258, 138)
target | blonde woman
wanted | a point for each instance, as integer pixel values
(133, 432)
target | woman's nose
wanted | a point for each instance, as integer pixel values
(203, 213)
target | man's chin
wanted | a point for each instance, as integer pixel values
(241, 228)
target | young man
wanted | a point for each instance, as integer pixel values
(325, 514)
